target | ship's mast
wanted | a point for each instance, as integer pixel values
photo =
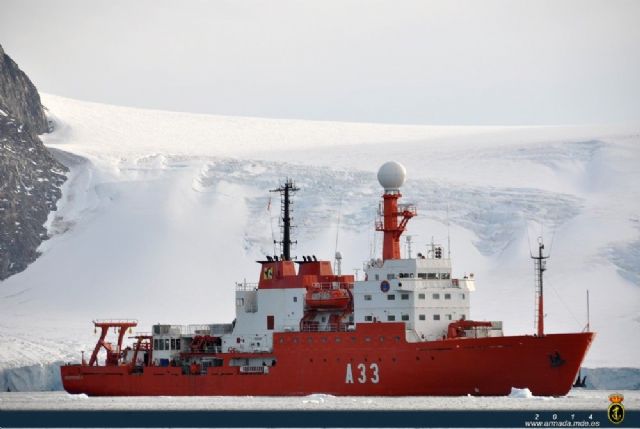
(539, 263)
(391, 176)
(285, 191)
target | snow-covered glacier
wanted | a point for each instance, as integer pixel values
(164, 211)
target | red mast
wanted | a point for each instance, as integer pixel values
(391, 176)
(539, 263)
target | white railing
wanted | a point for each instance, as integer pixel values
(331, 285)
(244, 286)
(326, 327)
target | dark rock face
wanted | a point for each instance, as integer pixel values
(30, 178)
(20, 96)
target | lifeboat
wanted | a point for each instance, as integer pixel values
(328, 299)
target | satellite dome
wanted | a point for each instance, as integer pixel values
(392, 175)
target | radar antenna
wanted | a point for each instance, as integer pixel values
(285, 191)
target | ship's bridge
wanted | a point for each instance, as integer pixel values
(418, 291)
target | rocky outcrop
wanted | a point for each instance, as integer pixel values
(30, 178)
(20, 97)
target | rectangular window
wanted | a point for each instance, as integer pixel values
(166, 344)
(173, 343)
(391, 276)
(436, 317)
(405, 317)
(177, 343)
(463, 297)
(239, 302)
(447, 296)
(421, 296)
(422, 275)
(448, 317)
(432, 276)
(270, 322)
(435, 296)
(377, 277)
(391, 318)
(160, 344)
(295, 299)
(367, 297)
(391, 297)
(445, 276)
(156, 346)
(421, 317)
(368, 318)
(404, 296)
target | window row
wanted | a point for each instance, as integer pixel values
(427, 276)
(405, 317)
(405, 296)
(166, 344)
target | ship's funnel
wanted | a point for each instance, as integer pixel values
(391, 176)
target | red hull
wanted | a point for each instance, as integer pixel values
(375, 358)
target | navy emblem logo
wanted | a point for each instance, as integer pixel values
(615, 412)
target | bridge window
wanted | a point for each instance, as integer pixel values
(432, 276)
(391, 318)
(367, 297)
(422, 275)
(436, 317)
(421, 317)
(391, 297)
(435, 296)
(421, 296)
(447, 296)
(445, 276)
(405, 317)
(404, 296)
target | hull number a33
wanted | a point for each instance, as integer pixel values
(362, 373)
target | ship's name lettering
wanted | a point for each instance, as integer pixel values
(362, 373)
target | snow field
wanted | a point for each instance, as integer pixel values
(164, 211)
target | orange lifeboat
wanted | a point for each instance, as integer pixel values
(328, 298)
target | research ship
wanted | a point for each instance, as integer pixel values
(303, 328)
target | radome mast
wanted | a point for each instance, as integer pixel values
(391, 176)
(285, 191)
(540, 268)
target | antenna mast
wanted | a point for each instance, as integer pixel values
(539, 263)
(285, 191)
(588, 316)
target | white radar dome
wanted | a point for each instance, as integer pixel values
(392, 175)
